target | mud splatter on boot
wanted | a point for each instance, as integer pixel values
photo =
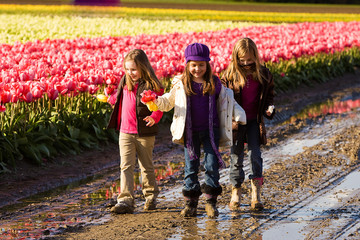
(210, 208)
(191, 202)
(235, 199)
(256, 185)
(190, 209)
(211, 194)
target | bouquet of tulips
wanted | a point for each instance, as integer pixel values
(148, 97)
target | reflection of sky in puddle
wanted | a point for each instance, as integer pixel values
(316, 209)
(296, 146)
(51, 212)
(113, 189)
(284, 232)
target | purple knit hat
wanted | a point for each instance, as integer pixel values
(197, 52)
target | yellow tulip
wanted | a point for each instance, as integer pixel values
(102, 98)
(152, 106)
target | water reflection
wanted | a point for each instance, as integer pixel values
(49, 213)
(162, 172)
(328, 107)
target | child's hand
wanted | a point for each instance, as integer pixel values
(150, 121)
(270, 110)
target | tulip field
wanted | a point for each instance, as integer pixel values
(49, 84)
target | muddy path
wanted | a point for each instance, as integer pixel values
(311, 189)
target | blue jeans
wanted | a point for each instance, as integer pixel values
(191, 181)
(246, 133)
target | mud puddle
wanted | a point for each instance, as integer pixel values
(330, 209)
(312, 154)
(72, 206)
(293, 221)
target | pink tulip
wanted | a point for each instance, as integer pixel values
(28, 97)
(108, 65)
(96, 61)
(2, 108)
(52, 94)
(93, 89)
(71, 85)
(37, 92)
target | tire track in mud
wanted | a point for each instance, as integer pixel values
(317, 141)
(318, 137)
(340, 218)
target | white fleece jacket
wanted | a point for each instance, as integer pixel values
(228, 109)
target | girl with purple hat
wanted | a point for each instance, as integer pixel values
(203, 113)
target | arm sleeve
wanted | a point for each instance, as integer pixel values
(166, 102)
(157, 115)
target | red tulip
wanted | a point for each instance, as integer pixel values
(5, 97)
(147, 96)
(82, 87)
(109, 90)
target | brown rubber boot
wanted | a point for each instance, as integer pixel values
(122, 208)
(150, 204)
(256, 184)
(211, 194)
(235, 199)
(210, 208)
(190, 209)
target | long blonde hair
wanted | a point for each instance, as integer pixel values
(208, 86)
(147, 73)
(234, 74)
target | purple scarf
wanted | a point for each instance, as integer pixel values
(189, 142)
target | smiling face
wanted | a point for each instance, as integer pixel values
(197, 70)
(132, 70)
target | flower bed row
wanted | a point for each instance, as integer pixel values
(82, 64)
(47, 86)
(27, 27)
(177, 14)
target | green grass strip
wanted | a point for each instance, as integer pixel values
(176, 14)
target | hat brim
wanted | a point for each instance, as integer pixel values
(197, 58)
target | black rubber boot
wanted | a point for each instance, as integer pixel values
(191, 202)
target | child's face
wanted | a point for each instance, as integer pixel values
(246, 60)
(197, 69)
(132, 70)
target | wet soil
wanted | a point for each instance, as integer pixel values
(310, 160)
